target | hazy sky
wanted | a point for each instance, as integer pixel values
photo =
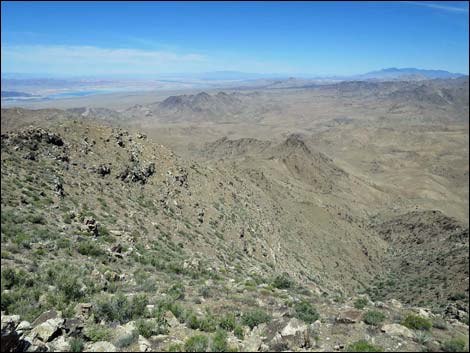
(79, 38)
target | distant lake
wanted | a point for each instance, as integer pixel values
(78, 94)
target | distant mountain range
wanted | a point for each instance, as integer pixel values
(384, 74)
(394, 73)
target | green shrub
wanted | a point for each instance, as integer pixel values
(177, 291)
(283, 281)
(439, 324)
(196, 343)
(119, 308)
(228, 322)
(90, 248)
(151, 327)
(238, 332)
(255, 317)
(305, 311)
(219, 342)
(127, 340)
(76, 344)
(454, 345)
(373, 317)
(208, 323)
(361, 303)
(175, 347)
(97, 332)
(423, 337)
(416, 322)
(363, 346)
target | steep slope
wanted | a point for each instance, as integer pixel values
(114, 222)
(428, 260)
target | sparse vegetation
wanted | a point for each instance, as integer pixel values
(255, 317)
(416, 322)
(361, 303)
(373, 317)
(198, 343)
(363, 346)
(305, 311)
(454, 345)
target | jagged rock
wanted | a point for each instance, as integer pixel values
(101, 346)
(24, 326)
(116, 248)
(112, 276)
(59, 187)
(149, 170)
(103, 170)
(47, 315)
(296, 333)
(171, 319)
(8, 320)
(253, 342)
(59, 345)
(349, 316)
(73, 326)
(11, 339)
(31, 155)
(397, 330)
(83, 310)
(200, 216)
(454, 312)
(48, 330)
(144, 344)
(91, 225)
(395, 303)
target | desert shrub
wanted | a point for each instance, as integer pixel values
(196, 343)
(416, 322)
(175, 347)
(255, 317)
(90, 248)
(454, 345)
(119, 308)
(363, 346)
(219, 342)
(305, 311)
(373, 317)
(76, 344)
(12, 278)
(238, 332)
(37, 219)
(152, 327)
(228, 322)
(423, 337)
(208, 324)
(361, 303)
(439, 324)
(127, 340)
(283, 281)
(96, 332)
(177, 291)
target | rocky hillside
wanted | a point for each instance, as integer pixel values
(111, 242)
(428, 263)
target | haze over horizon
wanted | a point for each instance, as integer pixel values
(295, 38)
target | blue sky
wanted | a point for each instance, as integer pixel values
(326, 38)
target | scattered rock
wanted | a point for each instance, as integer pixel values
(397, 330)
(171, 319)
(48, 330)
(47, 315)
(144, 344)
(83, 310)
(101, 346)
(349, 316)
